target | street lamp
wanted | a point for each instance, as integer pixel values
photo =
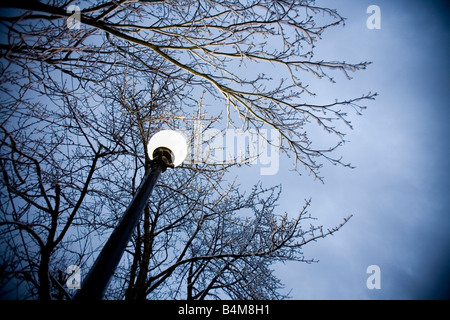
(166, 149)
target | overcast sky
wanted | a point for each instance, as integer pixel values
(398, 193)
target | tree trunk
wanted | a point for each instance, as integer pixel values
(44, 279)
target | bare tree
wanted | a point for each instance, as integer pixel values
(80, 104)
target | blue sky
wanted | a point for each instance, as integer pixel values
(398, 193)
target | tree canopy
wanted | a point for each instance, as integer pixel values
(84, 87)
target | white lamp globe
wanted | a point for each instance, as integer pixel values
(172, 140)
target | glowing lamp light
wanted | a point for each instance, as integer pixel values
(171, 144)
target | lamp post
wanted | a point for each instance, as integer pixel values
(166, 149)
